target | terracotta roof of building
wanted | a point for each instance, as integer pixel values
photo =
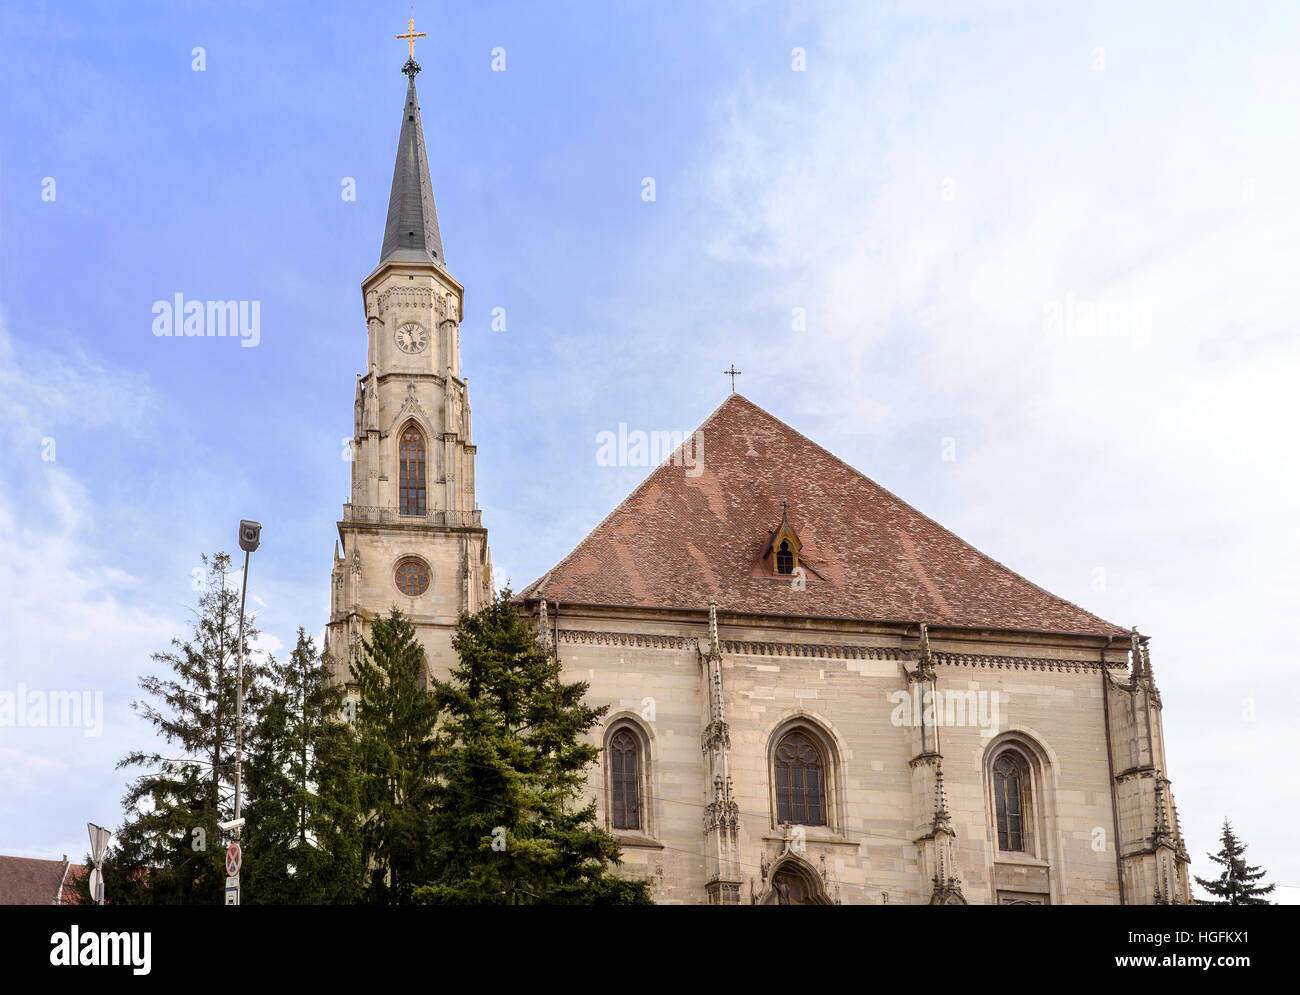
(70, 882)
(691, 533)
(28, 881)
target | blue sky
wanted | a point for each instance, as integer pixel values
(1057, 243)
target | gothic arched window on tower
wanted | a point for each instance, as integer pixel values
(411, 472)
(799, 767)
(624, 780)
(784, 558)
(1010, 786)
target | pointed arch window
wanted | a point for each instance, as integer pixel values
(1010, 787)
(624, 780)
(411, 472)
(799, 767)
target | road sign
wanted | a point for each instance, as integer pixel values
(99, 837)
(232, 890)
(233, 860)
(98, 842)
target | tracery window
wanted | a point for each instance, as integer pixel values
(799, 770)
(411, 472)
(411, 576)
(1010, 794)
(625, 780)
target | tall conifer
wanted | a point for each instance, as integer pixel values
(302, 843)
(395, 728)
(169, 848)
(510, 825)
(1237, 885)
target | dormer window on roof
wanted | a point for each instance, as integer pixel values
(785, 558)
(784, 548)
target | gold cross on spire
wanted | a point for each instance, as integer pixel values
(411, 35)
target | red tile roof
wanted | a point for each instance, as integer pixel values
(679, 540)
(70, 895)
(27, 881)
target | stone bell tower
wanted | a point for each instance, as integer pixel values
(411, 535)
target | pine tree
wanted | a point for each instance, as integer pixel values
(302, 844)
(1237, 884)
(508, 826)
(169, 849)
(395, 743)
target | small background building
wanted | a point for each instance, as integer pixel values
(28, 881)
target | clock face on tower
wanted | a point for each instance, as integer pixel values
(411, 337)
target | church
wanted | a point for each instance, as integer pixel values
(817, 695)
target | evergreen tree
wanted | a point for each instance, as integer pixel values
(508, 826)
(395, 743)
(302, 843)
(1237, 884)
(169, 849)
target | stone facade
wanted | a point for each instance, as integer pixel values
(909, 810)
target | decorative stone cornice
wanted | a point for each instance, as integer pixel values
(641, 639)
(827, 651)
(411, 297)
(823, 651)
(1022, 662)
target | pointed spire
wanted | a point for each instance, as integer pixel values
(714, 646)
(1135, 648)
(924, 656)
(942, 820)
(544, 625)
(411, 232)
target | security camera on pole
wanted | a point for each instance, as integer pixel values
(250, 534)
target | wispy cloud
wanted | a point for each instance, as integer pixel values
(1038, 244)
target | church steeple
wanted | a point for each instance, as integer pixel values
(411, 533)
(411, 233)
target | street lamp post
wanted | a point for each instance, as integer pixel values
(250, 534)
